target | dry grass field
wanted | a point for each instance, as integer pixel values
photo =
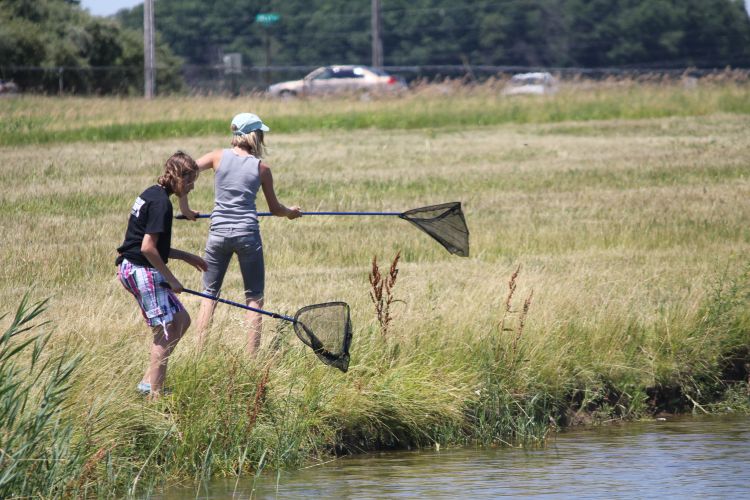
(631, 236)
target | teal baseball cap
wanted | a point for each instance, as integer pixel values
(244, 123)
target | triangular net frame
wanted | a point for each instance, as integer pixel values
(445, 223)
(327, 330)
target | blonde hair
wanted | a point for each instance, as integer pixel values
(178, 166)
(252, 142)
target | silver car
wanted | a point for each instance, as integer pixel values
(339, 79)
(531, 83)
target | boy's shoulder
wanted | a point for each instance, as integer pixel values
(156, 197)
(155, 192)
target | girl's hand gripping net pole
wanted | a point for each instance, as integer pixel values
(445, 223)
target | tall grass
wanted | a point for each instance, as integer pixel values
(45, 120)
(37, 453)
(608, 280)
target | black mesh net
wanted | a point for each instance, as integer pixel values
(445, 223)
(327, 330)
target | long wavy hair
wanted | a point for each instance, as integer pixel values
(179, 166)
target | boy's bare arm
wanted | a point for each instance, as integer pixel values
(149, 250)
(192, 259)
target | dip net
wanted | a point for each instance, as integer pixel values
(327, 330)
(445, 223)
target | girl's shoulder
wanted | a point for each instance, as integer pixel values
(210, 160)
(217, 156)
(264, 170)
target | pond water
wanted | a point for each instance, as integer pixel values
(682, 457)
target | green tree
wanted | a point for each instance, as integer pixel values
(96, 55)
(553, 33)
(717, 33)
(648, 33)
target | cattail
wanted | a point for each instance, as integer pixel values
(260, 398)
(511, 288)
(522, 320)
(512, 285)
(393, 273)
(90, 465)
(378, 285)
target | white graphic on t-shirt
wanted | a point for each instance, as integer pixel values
(136, 210)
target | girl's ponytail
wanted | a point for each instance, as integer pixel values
(251, 142)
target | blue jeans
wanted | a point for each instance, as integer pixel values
(220, 247)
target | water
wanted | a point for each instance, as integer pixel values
(690, 458)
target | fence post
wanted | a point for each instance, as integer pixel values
(60, 70)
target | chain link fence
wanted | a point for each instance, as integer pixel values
(237, 80)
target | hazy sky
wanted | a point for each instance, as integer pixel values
(109, 7)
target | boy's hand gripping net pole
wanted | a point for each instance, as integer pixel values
(325, 328)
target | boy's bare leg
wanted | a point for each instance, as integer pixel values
(255, 325)
(205, 314)
(162, 348)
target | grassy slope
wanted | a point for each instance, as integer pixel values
(630, 233)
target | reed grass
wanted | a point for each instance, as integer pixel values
(37, 453)
(608, 279)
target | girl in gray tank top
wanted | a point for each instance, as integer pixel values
(239, 173)
(236, 185)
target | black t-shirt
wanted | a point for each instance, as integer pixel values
(151, 214)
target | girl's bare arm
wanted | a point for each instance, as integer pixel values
(208, 160)
(276, 208)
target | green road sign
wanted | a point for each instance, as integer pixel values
(267, 18)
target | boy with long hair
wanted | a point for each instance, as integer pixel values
(142, 265)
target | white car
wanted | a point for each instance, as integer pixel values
(531, 83)
(339, 79)
(7, 87)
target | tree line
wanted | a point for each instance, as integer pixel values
(55, 45)
(553, 33)
(658, 34)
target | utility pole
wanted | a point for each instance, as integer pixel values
(377, 42)
(149, 54)
(267, 19)
(267, 44)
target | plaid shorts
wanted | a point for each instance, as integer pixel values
(158, 304)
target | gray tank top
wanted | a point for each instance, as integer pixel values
(236, 185)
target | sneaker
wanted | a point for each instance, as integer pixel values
(144, 388)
